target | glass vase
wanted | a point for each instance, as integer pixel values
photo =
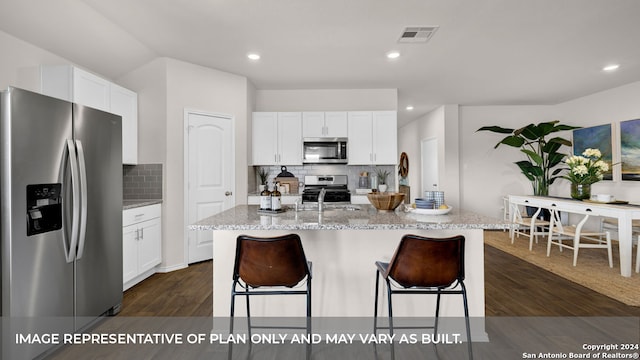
(580, 191)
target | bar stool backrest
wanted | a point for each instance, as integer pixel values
(274, 261)
(427, 262)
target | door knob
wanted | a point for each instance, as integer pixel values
(228, 193)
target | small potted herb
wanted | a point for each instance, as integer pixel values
(382, 179)
(263, 174)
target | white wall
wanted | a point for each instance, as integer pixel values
(488, 174)
(19, 62)
(150, 83)
(440, 124)
(607, 107)
(167, 87)
(327, 100)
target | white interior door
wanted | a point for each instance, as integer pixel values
(210, 175)
(429, 152)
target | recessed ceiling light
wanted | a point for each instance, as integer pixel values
(253, 56)
(409, 107)
(393, 55)
(611, 67)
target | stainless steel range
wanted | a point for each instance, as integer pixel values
(334, 185)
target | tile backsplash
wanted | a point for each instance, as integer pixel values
(352, 172)
(143, 181)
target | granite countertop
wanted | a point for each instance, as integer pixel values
(131, 204)
(246, 217)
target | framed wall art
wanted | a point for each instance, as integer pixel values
(630, 149)
(595, 137)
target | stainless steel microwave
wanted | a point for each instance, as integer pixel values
(324, 151)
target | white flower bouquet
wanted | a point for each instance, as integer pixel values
(586, 169)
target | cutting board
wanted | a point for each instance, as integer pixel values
(291, 181)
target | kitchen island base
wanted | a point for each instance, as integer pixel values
(344, 274)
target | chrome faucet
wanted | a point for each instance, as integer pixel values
(321, 199)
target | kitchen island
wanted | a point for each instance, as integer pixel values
(343, 244)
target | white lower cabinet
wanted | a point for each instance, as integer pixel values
(141, 243)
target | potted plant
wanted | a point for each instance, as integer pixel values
(382, 179)
(543, 155)
(263, 174)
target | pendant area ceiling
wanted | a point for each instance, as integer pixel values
(490, 52)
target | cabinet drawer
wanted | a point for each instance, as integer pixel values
(136, 215)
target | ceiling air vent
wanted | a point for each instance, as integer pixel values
(417, 34)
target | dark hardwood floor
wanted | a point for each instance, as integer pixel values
(513, 288)
(186, 292)
(517, 288)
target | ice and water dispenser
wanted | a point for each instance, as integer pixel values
(44, 208)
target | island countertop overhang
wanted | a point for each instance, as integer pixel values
(247, 217)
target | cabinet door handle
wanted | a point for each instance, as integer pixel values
(141, 233)
(137, 234)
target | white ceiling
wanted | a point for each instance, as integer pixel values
(486, 52)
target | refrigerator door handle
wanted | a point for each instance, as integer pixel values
(83, 200)
(70, 155)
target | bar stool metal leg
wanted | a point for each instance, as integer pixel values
(390, 308)
(466, 318)
(375, 305)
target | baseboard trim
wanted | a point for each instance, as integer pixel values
(166, 269)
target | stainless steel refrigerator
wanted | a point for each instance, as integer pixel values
(61, 209)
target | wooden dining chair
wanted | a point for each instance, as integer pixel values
(578, 237)
(611, 224)
(531, 227)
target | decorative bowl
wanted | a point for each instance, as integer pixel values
(387, 201)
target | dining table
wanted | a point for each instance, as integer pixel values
(625, 214)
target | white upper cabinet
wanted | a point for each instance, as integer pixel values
(336, 124)
(324, 124)
(277, 138)
(372, 138)
(360, 143)
(312, 124)
(124, 102)
(385, 138)
(76, 85)
(265, 133)
(290, 138)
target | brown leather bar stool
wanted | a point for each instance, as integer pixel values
(423, 265)
(270, 266)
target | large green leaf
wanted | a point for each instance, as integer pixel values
(533, 155)
(551, 147)
(566, 127)
(559, 140)
(530, 132)
(511, 141)
(546, 128)
(496, 129)
(528, 168)
(555, 159)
